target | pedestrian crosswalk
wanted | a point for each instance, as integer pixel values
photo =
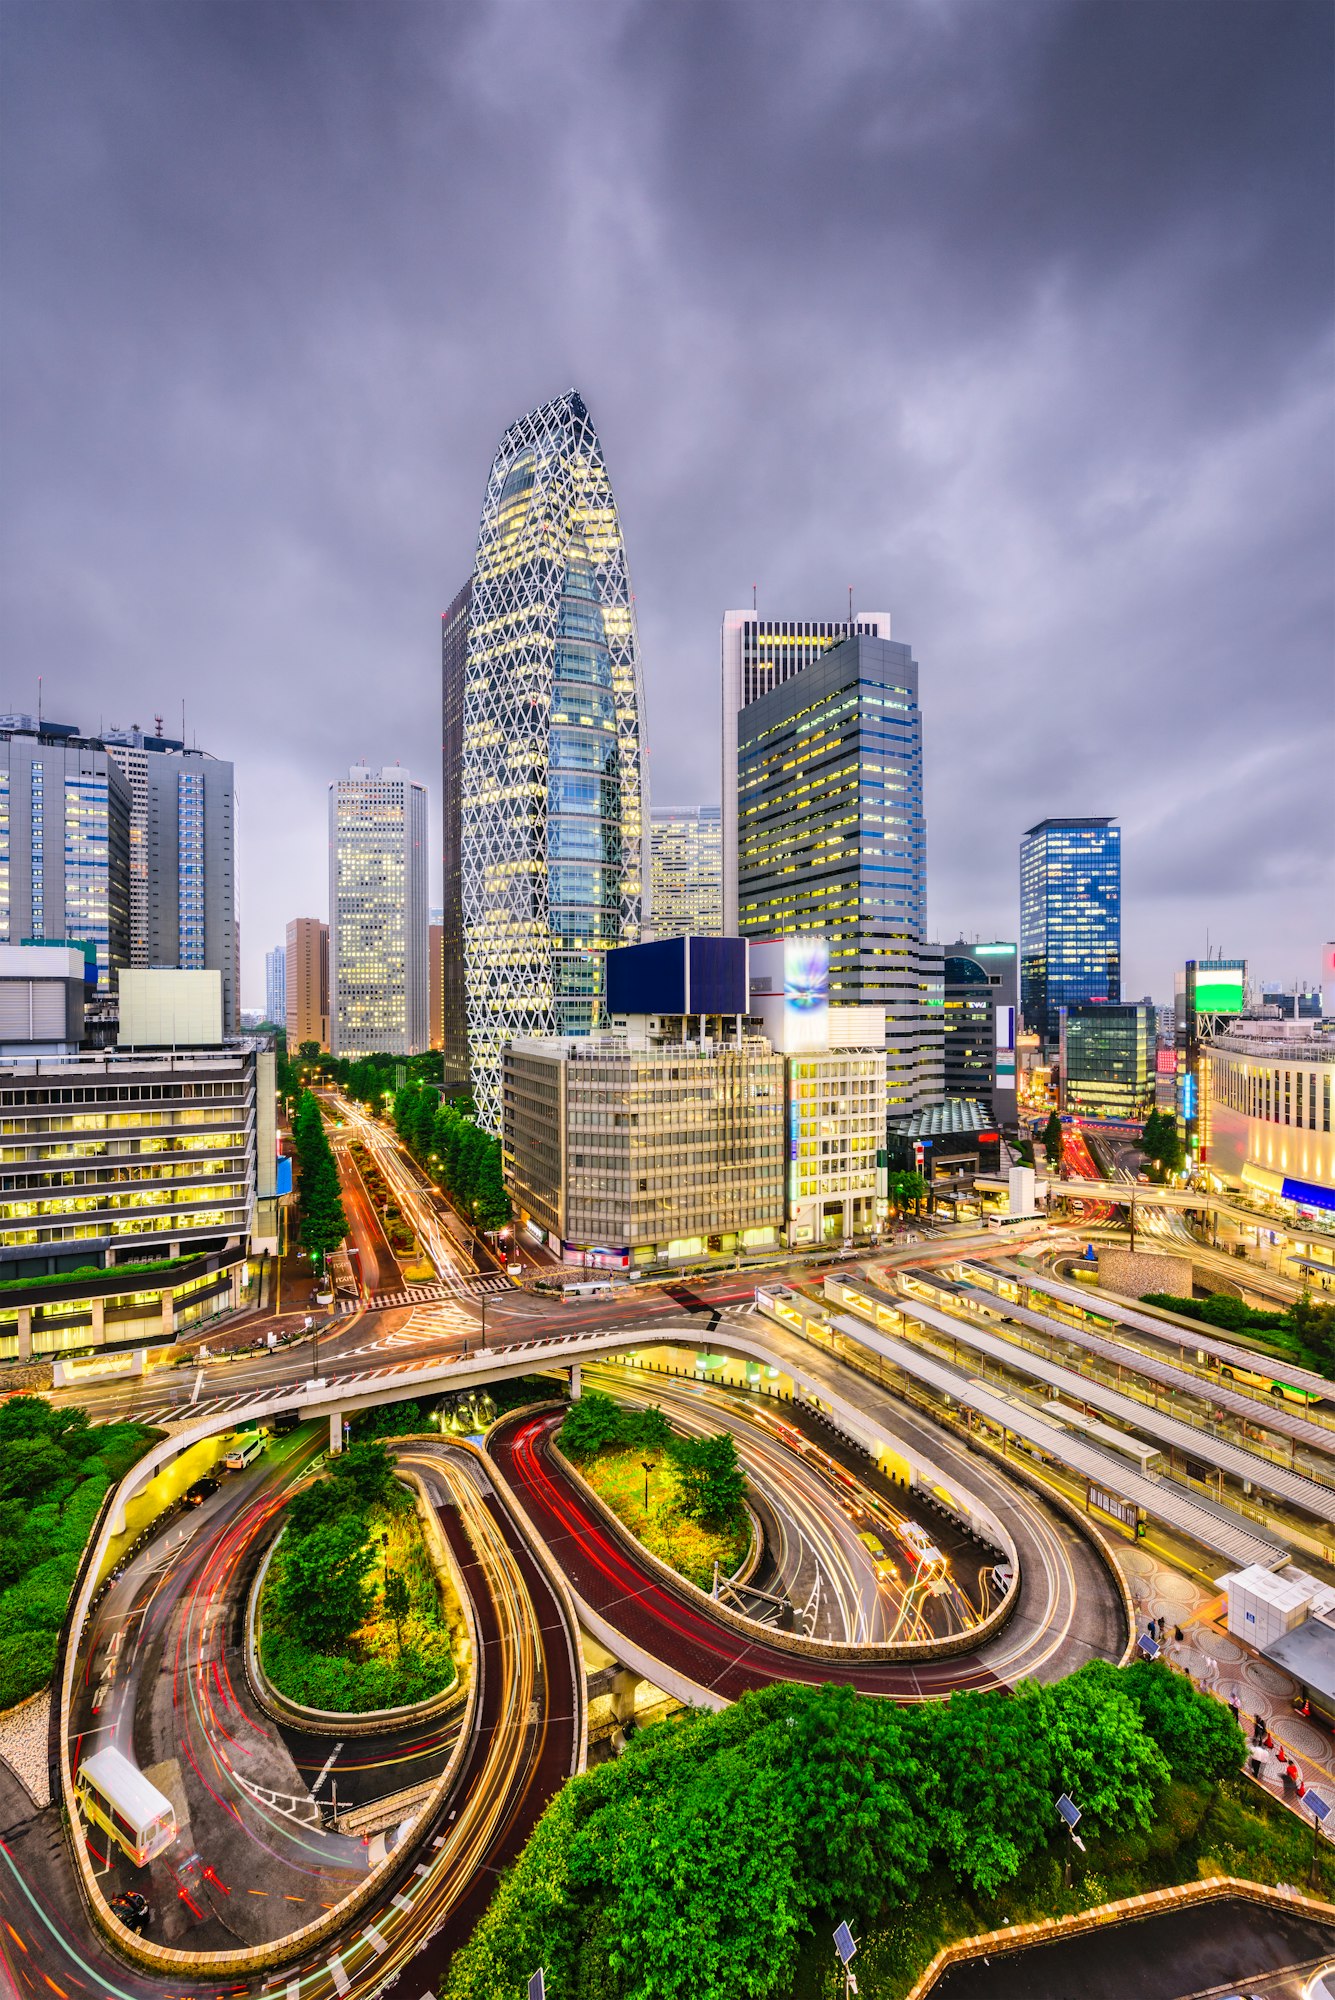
(415, 1295)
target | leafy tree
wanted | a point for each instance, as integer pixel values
(323, 1222)
(647, 1429)
(310, 1052)
(323, 1591)
(1099, 1752)
(1314, 1325)
(1161, 1144)
(1198, 1737)
(857, 1785)
(366, 1472)
(593, 1422)
(492, 1200)
(907, 1189)
(322, 1501)
(710, 1481)
(993, 1812)
(1052, 1140)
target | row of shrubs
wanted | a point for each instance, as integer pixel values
(56, 1470)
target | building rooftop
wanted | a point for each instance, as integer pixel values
(1308, 1653)
(956, 1114)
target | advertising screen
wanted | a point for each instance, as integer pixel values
(1220, 989)
(806, 992)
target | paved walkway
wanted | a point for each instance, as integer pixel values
(1228, 1667)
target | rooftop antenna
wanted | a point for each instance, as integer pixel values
(39, 701)
(850, 608)
(182, 722)
(754, 605)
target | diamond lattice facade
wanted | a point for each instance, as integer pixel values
(551, 803)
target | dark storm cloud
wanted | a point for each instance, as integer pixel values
(1018, 319)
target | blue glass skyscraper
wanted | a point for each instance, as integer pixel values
(1070, 919)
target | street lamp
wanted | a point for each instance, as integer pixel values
(647, 1465)
(1070, 1815)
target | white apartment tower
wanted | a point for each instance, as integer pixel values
(378, 913)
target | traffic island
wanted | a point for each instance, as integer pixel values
(357, 1624)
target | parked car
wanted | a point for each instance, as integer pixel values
(197, 1494)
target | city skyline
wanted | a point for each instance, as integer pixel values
(1086, 491)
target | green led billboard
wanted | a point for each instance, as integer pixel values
(1220, 989)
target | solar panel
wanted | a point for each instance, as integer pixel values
(1318, 1807)
(537, 1985)
(1148, 1647)
(845, 1943)
(1069, 1811)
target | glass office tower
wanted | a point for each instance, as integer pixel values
(832, 839)
(1070, 920)
(64, 842)
(550, 817)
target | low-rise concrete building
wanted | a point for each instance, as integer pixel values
(623, 1150)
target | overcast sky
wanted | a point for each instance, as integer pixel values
(1016, 318)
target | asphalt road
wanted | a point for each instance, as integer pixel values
(526, 1744)
(1215, 1949)
(607, 1571)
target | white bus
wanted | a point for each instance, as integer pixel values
(247, 1449)
(115, 1795)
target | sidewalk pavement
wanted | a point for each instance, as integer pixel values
(1231, 1670)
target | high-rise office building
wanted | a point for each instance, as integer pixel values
(378, 913)
(686, 872)
(306, 1010)
(182, 859)
(436, 983)
(982, 1001)
(1070, 919)
(832, 840)
(550, 782)
(1107, 1059)
(455, 1072)
(64, 842)
(275, 985)
(759, 654)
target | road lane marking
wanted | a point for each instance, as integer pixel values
(372, 1937)
(338, 1975)
(328, 1765)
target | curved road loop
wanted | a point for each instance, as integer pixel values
(607, 1571)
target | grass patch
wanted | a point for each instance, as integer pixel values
(371, 1672)
(691, 1549)
(1232, 1829)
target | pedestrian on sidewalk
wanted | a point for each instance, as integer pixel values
(1163, 1626)
(1233, 1708)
